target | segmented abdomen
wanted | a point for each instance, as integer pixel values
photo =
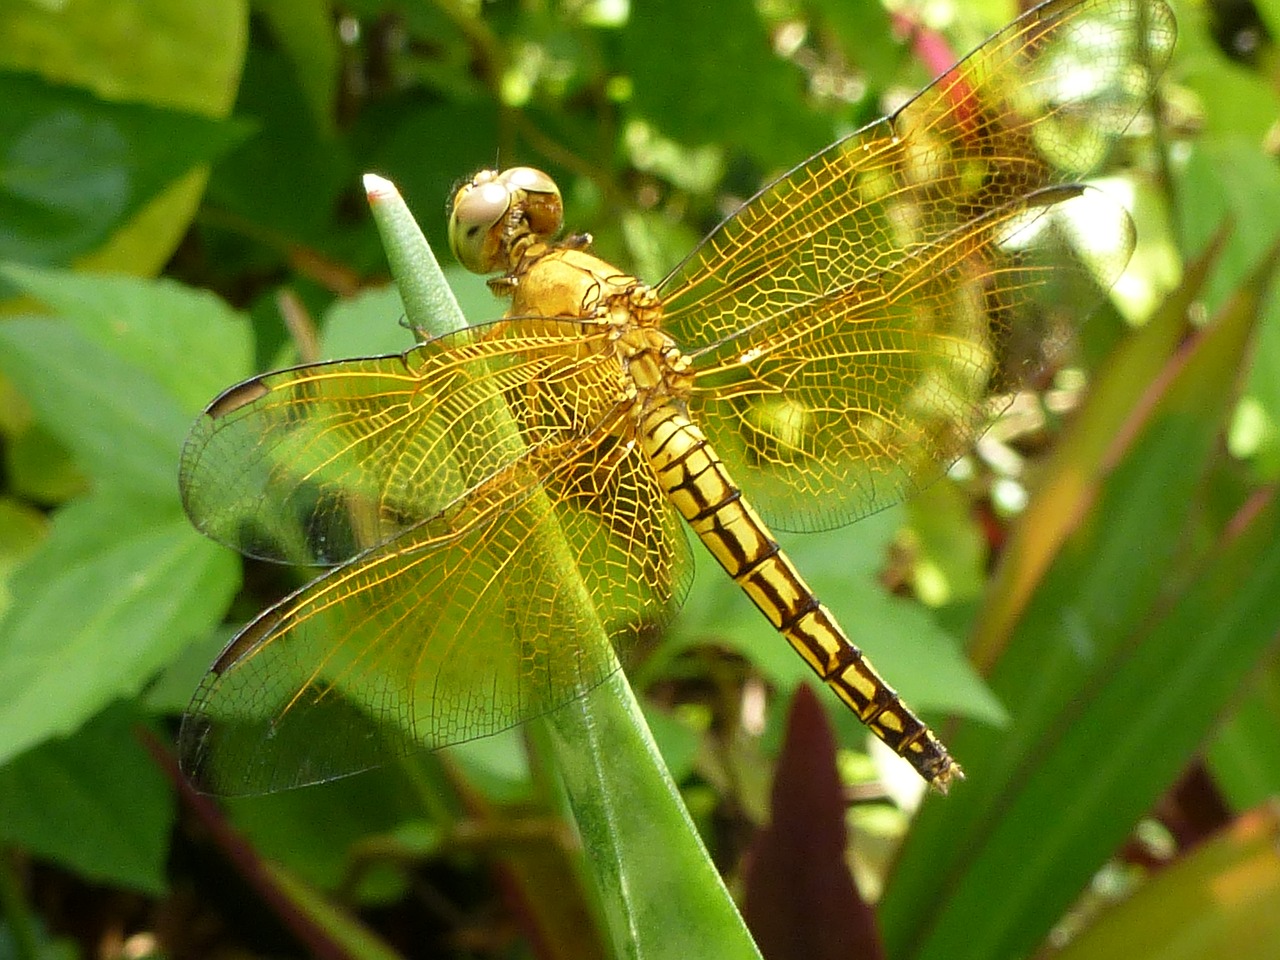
(701, 489)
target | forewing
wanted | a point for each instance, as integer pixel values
(487, 615)
(852, 323)
(317, 463)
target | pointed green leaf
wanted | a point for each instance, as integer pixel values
(1112, 686)
(122, 426)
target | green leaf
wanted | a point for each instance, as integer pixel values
(189, 341)
(698, 98)
(182, 57)
(74, 168)
(1214, 903)
(1243, 102)
(171, 691)
(676, 740)
(104, 782)
(1136, 637)
(1245, 756)
(1250, 201)
(41, 469)
(370, 323)
(865, 33)
(305, 29)
(312, 832)
(121, 424)
(119, 380)
(292, 197)
(21, 530)
(497, 765)
(119, 587)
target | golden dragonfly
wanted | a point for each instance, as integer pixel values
(832, 346)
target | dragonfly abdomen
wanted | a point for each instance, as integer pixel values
(701, 489)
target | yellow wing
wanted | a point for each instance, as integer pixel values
(852, 322)
(316, 463)
(479, 604)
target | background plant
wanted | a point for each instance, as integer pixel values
(1117, 707)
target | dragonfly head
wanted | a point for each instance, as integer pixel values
(494, 215)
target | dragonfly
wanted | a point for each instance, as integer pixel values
(491, 504)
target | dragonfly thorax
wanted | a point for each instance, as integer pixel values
(571, 284)
(505, 221)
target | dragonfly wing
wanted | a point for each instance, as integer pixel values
(489, 614)
(317, 463)
(851, 322)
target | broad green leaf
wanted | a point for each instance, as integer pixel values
(289, 198)
(117, 589)
(865, 34)
(170, 693)
(1243, 102)
(120, 423)
(676, 740)
(101, 780)
(314, 833)
(370, 323)
(1217, 901)
(954, 554)
(184, 57)
(74, 168)
(188, 341)
(696, 98)
(498, 766)
(1135, 638)
(1250, 201)
(21, 530)
(40, 468)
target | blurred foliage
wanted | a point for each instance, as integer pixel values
(1106, 651)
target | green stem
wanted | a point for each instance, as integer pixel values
(661, 894)
(429, 303)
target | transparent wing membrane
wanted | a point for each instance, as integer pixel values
(317, 463)
(852, 321)
(459, 627)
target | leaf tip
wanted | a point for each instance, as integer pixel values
(379, 189)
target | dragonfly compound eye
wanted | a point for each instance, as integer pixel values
(475, 223)
(539, 199)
